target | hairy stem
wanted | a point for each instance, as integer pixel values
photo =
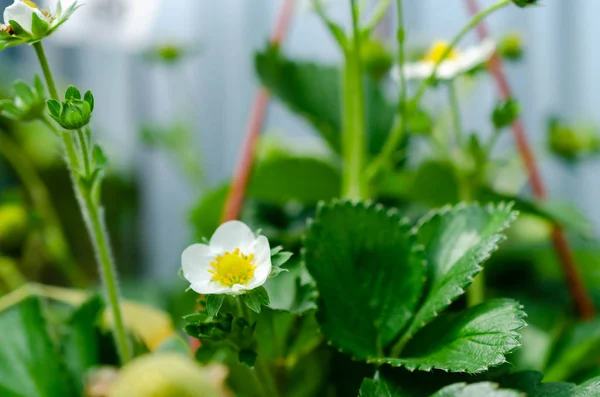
(92, 214)
(353, 116)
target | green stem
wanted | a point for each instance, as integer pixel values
(476, 292)
(455, 110)
(87, 164)
(41, 54)
(92, 215)
(398, 129)
(54, 237)
(354, 138)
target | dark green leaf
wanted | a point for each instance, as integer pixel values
(29, 363)
(213, 304)
(256, 298)
(483, 389)
(577, 349)
(206, 215)
(379, 387)
(304, 179)
(471, 341)
(435, 184)
(81, 342)
(457, 241)
(369, 274)
(313, 91)
(248, 357)
(530, 383)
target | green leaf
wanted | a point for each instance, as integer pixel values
(578, 349)
(280, 258)
(457, 241)
(81, 342)
(206, 215)
(530, 383)
(486, 389)
(213, 304)
(471, 341)
(29, 363)
(313, 91)
(291, 291)
(304, 179)
(100, 160)
(256, 298)
(564, 214)
(435, 184)
(248, 357)
(369, 274)
(379, 387)
(39, 27)
(24, 92)
(72, 93)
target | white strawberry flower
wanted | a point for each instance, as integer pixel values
(455, 64)
(25, 23)
(21, 12)
(234, 261)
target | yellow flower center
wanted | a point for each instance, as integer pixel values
(30, 3)
(437, 50)
(232, 268)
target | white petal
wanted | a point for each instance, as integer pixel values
(22, 14)
(207, 287)
(418, 70)
(448, 70)
(262, 260)
(232, 235)
(195, 262)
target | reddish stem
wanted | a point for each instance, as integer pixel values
(581, 297)
(237, 193)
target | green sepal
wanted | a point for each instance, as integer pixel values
(89, 98)
(256, 298)
(55, 109)
(213, 304)
(22, 91)
(39, 27)
(72, 93)
(280, 258)
(18, 30)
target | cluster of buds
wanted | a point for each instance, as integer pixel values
(74, 113)
(25, 23)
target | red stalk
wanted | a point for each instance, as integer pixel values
(237, 192)
(578, 289)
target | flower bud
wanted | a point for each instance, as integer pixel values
(505, 113)
(376, 58)
(74, 113)
(13, 225)
(511, 47)
(524, 3)
(28, 103)
(571, 141)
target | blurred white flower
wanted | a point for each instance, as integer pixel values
(21, 12)
(233, 262)
(454, 65)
